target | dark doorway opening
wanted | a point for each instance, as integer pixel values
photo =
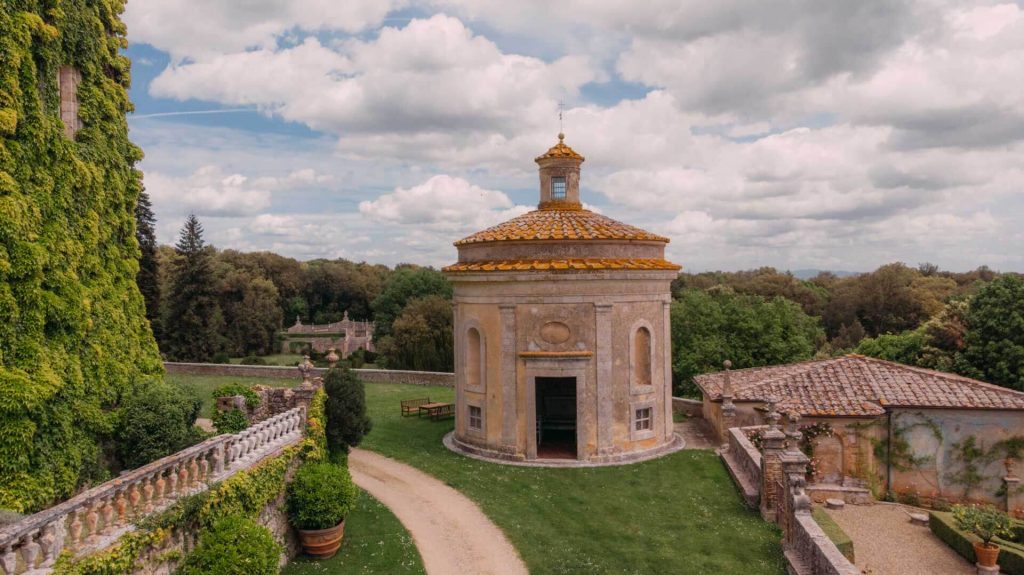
(556, 417)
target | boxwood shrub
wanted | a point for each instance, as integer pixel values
(235, 545)
(320, 496)
(1011, 555)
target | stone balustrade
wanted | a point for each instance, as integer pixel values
(95, 518)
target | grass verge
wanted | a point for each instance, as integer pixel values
(834, 532)
(203, 385)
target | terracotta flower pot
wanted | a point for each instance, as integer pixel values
(322, 543)
(987, 554)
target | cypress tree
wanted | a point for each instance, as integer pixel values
(193, 322)
(147, 278)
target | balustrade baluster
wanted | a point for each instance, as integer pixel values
(193, 470)
(160, 487)
(183, 479)
(30, 549)
(50, 542)
(172, 481)
(92, 519)
(218, 460)
(8, 560)
(204, 467)
(148, 492)
(121, 504)
(133, 500)
(108, 515)
(75, 529)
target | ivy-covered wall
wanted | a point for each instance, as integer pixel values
(73, 335)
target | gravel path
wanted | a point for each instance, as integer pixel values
(452, 534)
(886, 543)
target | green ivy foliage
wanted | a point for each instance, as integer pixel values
(235, 545)
(157, 422)
(74, 340)
(230, 421)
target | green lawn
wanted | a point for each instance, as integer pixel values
(205, 384)
(676, 514)
(375, 543)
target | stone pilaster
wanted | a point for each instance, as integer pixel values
(772, 446)
(509, 395)
(605, 414)
(667, 363)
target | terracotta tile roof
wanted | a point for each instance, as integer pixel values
(856, 385)
(560, 225)
(563, 265)
(560, 150)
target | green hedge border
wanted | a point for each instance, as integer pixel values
(834, 532)
(1011, 555)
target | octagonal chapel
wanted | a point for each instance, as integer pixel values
(562, 333)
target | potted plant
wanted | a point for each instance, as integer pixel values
(318, 499)
(986, 523)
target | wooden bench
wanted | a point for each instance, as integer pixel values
(411, 406)
(438, 411)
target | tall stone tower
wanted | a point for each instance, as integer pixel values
(562, 333)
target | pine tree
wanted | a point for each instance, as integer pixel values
(193, 319)
(147, 278)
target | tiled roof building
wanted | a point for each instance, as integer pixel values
(855, 385)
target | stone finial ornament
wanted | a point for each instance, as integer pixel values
(306, 369)
(773, 414)
(728, 408)
(793, 434)
(332, 357)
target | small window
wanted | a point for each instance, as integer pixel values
(476, 419)
(558, 188)
(643, 419)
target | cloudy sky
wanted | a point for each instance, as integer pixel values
(793, 133)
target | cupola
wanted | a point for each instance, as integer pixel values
(560, 177)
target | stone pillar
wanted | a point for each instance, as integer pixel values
(666, 337)
(1011, 485)
(728, 407)
(605, 413)
(509, 395)
(772, 446)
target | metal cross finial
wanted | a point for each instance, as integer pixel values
(561, 108)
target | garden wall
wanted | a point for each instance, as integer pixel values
(957, 455)
(688, 407)
(367, 375)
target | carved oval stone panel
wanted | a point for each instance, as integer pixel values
(555, 332)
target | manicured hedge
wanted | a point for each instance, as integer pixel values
(834, 532)
(1011, 555)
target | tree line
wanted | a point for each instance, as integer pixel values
(206, 304)
(969, 323)
(225, 302)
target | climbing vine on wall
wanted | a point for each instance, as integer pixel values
(74, 340)
(894, 449)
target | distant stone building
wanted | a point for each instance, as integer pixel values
(890, 427)
(345, 336)
(562, 332)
